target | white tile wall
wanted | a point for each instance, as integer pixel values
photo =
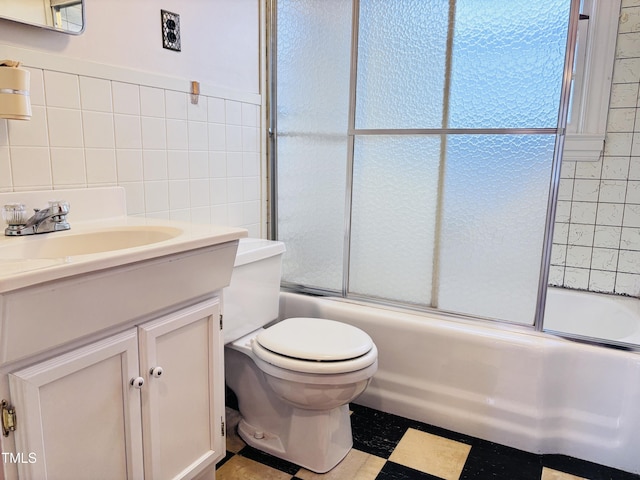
(597, 232)
(175, 159)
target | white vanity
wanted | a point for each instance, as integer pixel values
(111, 345)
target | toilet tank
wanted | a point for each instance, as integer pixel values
(252, 298)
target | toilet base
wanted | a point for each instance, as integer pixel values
(315, 440)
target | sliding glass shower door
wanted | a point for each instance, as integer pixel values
(414, 143)
(313, 65)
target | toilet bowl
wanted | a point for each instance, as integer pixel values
(295, 378)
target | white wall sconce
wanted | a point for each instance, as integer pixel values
(15, 103)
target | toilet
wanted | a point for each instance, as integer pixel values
(293, 378)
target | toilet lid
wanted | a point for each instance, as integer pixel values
(314, 339)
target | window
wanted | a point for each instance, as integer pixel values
(591, 82)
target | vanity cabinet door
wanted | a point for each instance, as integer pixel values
(181, 358)
(78, 415)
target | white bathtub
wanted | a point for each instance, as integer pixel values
(609, 317)
(528, 390)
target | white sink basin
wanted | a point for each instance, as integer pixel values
(104, 239)
(60, 245)
(109, 271)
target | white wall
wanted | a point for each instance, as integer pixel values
(220, 39)
(111, 107)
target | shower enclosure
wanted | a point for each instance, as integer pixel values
(415, 149)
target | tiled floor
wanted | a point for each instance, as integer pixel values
(389, 447)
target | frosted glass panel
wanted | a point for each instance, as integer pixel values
(313, 61)
(401, 63)
(495, 199)
(311, 200)
(450, 221)
(508, 61)
(313, 58)
(395, 188)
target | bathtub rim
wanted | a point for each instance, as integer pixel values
(470, 320)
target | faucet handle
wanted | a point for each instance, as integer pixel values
(58, 207)
(14, 214)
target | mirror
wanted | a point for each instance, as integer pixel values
(66, 16)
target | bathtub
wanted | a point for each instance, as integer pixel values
(529, 390)
(609, 317)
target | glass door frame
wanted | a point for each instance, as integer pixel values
(559, 132)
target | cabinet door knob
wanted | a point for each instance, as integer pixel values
(137, 382)
(156, 372)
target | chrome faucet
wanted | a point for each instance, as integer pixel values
(50, 219)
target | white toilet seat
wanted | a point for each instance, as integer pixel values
(318, 346)
(308, 366)
(315, 339)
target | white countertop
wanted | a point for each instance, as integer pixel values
(21, 272)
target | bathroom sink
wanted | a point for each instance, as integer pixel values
(57, 245)
(108, 271)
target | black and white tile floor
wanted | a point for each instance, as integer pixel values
(387, 447)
